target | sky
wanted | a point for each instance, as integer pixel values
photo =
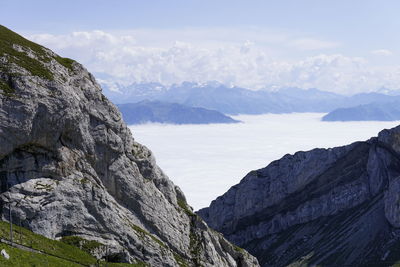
(340, 46)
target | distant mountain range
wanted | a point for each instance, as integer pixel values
(163, 112)
(236, 100)
(386, 111)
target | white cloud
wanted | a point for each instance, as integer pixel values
(382, 52)
(138, 56)
(98, 38)
(205, 160)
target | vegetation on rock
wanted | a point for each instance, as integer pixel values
(70, 251)
(28, 55)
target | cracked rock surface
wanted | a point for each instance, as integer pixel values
(324, 207)
(69, 166)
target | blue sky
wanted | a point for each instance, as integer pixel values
(283, 32)
(355, 20)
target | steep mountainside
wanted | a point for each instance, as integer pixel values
(387, 111)
(324, 207)
(164, 112)
(70, 167)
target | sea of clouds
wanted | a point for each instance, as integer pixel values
(206, 160)
(254, 60)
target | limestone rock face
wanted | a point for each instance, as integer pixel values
(324, 207)
(69, 166)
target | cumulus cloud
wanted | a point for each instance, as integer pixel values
(382, 52)
(129, 57)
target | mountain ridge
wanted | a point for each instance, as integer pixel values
(325, 207)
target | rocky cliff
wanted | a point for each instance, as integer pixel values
(70, 167)
(324, 207)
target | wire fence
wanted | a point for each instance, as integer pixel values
(30, 249)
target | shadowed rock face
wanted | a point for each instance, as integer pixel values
(69, 166)
(329, 207)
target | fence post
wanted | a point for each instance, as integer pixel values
(10, 214)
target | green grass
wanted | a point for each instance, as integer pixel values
(238, 249)
(184, 206)
(66, 249)
(6, 88)
(25, 237)
(66, 62)
(84, 180)
(143, 233)
(195, 239)
(46, 187)
(195, 247)
(113, 264)
(8, 38)
(86, 245)
(36, 67)
(22, 258)
(180, 261)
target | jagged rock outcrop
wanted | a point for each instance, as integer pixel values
(70, 167)
(324, 207)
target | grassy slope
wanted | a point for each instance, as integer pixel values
(24, 258)
(35, 241)
(8, 39)
(25, 237)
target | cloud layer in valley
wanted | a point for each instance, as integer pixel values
(206, 160)
(259, 59)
